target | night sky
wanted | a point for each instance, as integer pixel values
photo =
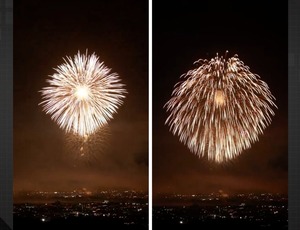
(44, 33)
(117, 31)
(186, 31)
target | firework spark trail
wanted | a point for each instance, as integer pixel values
(220, 109)
(83, 94)
(88, 149)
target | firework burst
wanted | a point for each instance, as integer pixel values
(83, 94)
(220, 108)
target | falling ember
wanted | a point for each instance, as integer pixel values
(83, 94)
(220, 108)
(87, 149)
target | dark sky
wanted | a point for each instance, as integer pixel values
(44, 32)
(185, 31)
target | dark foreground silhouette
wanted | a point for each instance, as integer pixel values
(71, 223)
(3, 225)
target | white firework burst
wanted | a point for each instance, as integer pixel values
(83, 94)
(220, 109)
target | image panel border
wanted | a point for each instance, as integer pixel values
(294, 113)
(6, 111)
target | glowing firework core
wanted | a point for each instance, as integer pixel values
(219, 98)
(82, 92)
(220, 109)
